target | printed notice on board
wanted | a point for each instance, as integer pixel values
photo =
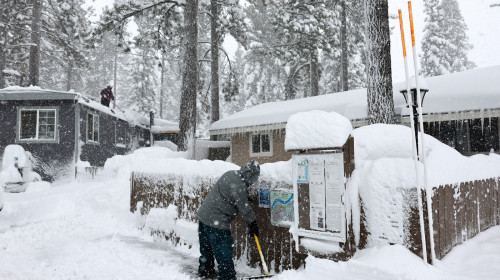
(334, 184)
(317, 194)
(303, 172)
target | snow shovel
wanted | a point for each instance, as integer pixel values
(264, 266)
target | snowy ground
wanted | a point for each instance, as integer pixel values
(84, 230)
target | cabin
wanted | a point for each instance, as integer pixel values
(64, 129)
(461, 109)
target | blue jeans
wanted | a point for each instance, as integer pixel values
(216, 243)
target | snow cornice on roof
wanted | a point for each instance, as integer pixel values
(475, 90)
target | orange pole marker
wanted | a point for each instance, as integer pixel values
(411, 25)
(402, 32)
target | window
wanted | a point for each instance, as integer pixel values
(37, 124)
(121, 136)
(93, 128)
(261, 145)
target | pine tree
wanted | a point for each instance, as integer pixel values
(378, 52)
(65, 33)
(334, 76)
(306, 28)
(445, 43)
(14, 42)
(263, 72)
(141, 97)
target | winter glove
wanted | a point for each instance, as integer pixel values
(253, 229)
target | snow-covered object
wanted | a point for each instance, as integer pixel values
(38, 186)
(10, 175)
(11, 72)
(165, 144)
(14, 154)
(161, 219)
(316, 129)
(321, 246)
(15, 158)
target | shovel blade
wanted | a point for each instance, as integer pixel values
(255, 277)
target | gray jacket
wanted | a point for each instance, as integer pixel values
(229, 197)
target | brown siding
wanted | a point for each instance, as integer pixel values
(240, 148)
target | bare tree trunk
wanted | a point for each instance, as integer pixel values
(214, 46)
(343, 42)
(187, 119)
(69, 75)
(115, 69)
(34, 61)
(3, 61)
(162, 81)
(289, 88)
(314, 76)
(378, 50)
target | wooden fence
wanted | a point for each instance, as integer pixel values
(160, 190)
(460, 212)
(463, 210)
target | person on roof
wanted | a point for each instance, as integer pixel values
(228, 197)
(107, 96)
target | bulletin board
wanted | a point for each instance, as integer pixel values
(319, 186)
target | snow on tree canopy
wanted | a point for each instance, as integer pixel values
(316, 129)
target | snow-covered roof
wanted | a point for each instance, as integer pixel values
(164, 126)
(476, 89)
(37, 93)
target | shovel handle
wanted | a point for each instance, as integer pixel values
(266, 271)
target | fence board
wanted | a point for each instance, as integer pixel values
(450, 218)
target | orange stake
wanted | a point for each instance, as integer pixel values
(411, 25)
(402, 32)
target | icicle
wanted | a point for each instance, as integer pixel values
(481, 115)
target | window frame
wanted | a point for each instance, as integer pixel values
(261, 153)
(94, 116)
(37, 139)
(121, 130)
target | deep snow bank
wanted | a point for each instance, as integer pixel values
(385, 167)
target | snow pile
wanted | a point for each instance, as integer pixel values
(38, 186)
(385, 167)
(162, 219)
(165, 144)
(316, 129)
(165, 220)
(280, 171)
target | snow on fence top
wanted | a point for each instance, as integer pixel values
(383, 156)
(164, 161)
(476, 89)
(316, 129)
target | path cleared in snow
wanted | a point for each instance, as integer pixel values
(84, 230)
